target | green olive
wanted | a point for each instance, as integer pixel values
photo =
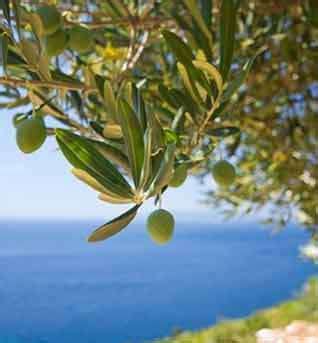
(31, 134)
(160, 225)
(51, 19)
(80, 39)
(224, 173)
(179, 176)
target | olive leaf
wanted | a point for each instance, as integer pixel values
(114, 226)
(180, 49)
(188, 83)
(212, 71)
(146, 168)
(110, 101)
(195, 12)
(81, 153)
(206, 11)
(139, 106)
(104, 193)
(234, 85)
(227, 35)
(112, 153)
(133, 138)
(4, 41)
(165, 171)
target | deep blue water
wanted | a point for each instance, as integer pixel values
(56, 288)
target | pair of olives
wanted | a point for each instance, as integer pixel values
(30, 133)
(78, 38)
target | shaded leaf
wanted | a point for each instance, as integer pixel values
(4, 41)
(193, 8)
(234, 85)
(227, 35)
(114, 226)
(113, 153)
(180, 49)
(206, 11)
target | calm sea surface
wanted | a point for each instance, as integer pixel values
(56, 288)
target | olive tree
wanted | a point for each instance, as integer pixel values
(144, 93)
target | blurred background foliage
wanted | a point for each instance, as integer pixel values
(267, 126)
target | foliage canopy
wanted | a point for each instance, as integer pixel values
(138, 89)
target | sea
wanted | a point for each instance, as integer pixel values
(57, 288)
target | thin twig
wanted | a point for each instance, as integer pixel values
(12, 82)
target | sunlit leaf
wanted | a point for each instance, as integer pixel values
(83, 155)
(114, 226)
(133, 138)
(165, 171)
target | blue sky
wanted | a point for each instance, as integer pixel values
(40, 186)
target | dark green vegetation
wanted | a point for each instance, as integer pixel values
(143, 94)
(305, 307)
(160, 226)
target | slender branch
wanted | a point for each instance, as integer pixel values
(12, 82)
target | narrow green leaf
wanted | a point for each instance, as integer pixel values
(157, 140)
(185, 101)
(212, 71)
(189, 84)
(166, 96)
(83, 155)
(133, 138)
(114, 226)
(5, 6)
(180, 49)
(112, 153)
(139, 106)
(206, 11)
(4, 41)
(94, 184)
(146, 168)
(193, 8)
(110, 101)
(17, 15)
(165, 171)
(234, 85)
(227, 35)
